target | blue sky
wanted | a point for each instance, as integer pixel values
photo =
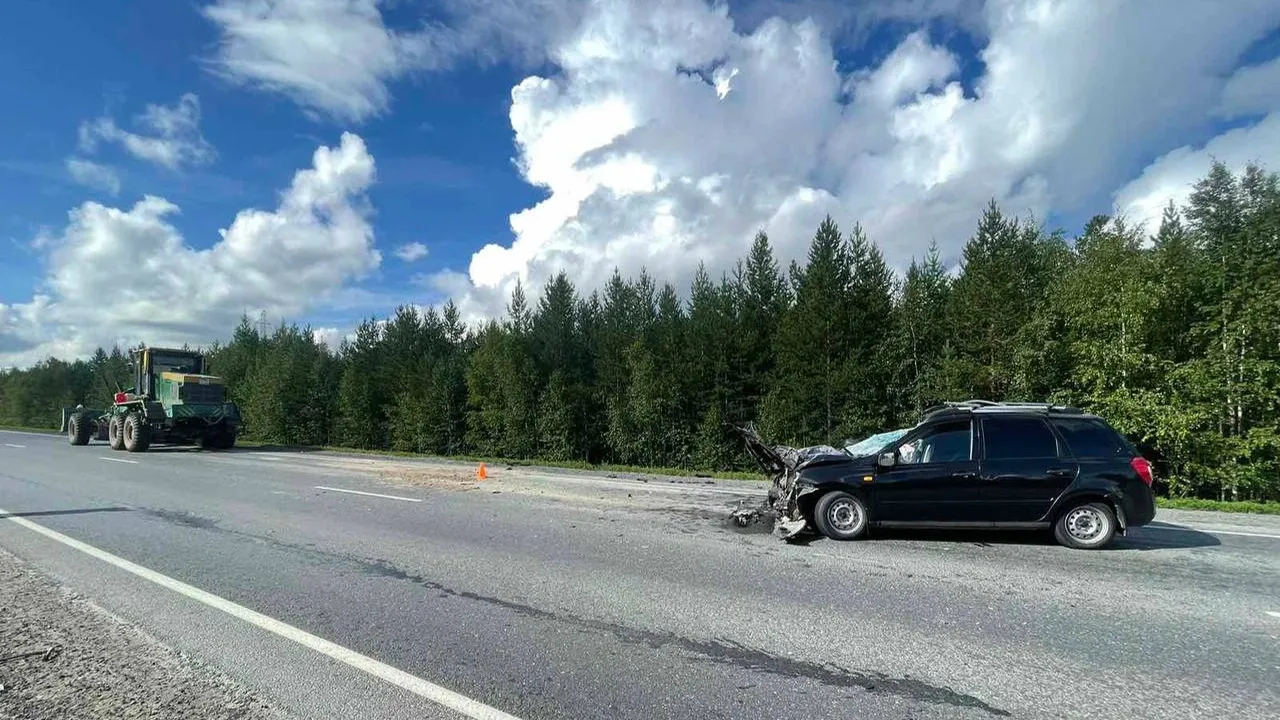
(443, 155)
(905, 116)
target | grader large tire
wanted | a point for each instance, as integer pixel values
(115, 433)
(137, 434)
(79, 428)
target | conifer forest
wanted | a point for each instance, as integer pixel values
(1172, 333)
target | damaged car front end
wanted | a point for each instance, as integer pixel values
(791, 488)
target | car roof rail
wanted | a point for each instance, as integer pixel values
(962, 405)
(1047, 407)
(986, 406)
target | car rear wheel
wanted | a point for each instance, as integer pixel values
(1086, 526)
(840, 515)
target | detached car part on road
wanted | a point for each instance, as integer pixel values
(973, 464)
(172, 401)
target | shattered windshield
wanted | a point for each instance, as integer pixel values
(869, 445)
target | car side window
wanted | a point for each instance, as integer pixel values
(1018, 438)
(948, 442)
(1090, 438)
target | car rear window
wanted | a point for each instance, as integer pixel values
(1087, 437)
(1017, 438)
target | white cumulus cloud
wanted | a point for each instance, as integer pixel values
(1252, 90)
(411, 252)
(128, 275)
(336, 58)
(169, 135)
(94, 175)
(1172, 177)
(667, 135)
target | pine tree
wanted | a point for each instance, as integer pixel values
(558, 432)
(520, 380)
(807, 395)
(486, 398)
(872, 404)
(561, 351)
(711, 450)
(362, 398)
(921, 334)
(1178, 263)
(763, 296)
(1005, 273)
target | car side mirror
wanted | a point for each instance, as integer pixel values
(887, 459)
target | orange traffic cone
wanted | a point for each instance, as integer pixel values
(481, 473)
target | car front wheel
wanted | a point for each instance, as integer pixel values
(840, 515)
(1086, 526)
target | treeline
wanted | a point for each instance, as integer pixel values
(1175, 337)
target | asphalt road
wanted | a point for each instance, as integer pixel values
(555, 594)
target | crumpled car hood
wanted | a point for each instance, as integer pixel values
(783, 464)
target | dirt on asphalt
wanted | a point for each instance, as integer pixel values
(99, 666)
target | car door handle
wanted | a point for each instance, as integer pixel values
(1061, 472)
(963, 475)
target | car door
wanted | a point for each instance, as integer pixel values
(1024, 466)
(934, 478)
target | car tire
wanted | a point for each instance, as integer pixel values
(1087, 526)
(840, 515)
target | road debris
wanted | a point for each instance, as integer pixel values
(46, 655)
(746, 515)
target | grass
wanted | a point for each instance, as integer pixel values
(20, 428)
(1258, 508)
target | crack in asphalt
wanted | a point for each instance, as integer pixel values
(720, 651)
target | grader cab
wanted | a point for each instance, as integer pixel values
(172, 401)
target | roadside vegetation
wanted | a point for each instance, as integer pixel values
(1169, 332)
(1263, 508)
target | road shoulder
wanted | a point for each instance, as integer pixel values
(102, 666)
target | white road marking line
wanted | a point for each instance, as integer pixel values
(131, 462)
(1242, 534)
(416, 685)
(12, 445)
(1273, 613)
(360, 492)
(1185, 528)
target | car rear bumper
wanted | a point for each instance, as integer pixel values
(1139, 507)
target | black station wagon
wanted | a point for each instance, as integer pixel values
(973, 464)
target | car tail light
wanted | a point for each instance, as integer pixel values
(1143, 467)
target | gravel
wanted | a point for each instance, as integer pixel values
(100, 666)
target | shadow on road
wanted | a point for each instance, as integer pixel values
(984, 538)
(79, 511)
(1154, 537)
(1162, 536)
